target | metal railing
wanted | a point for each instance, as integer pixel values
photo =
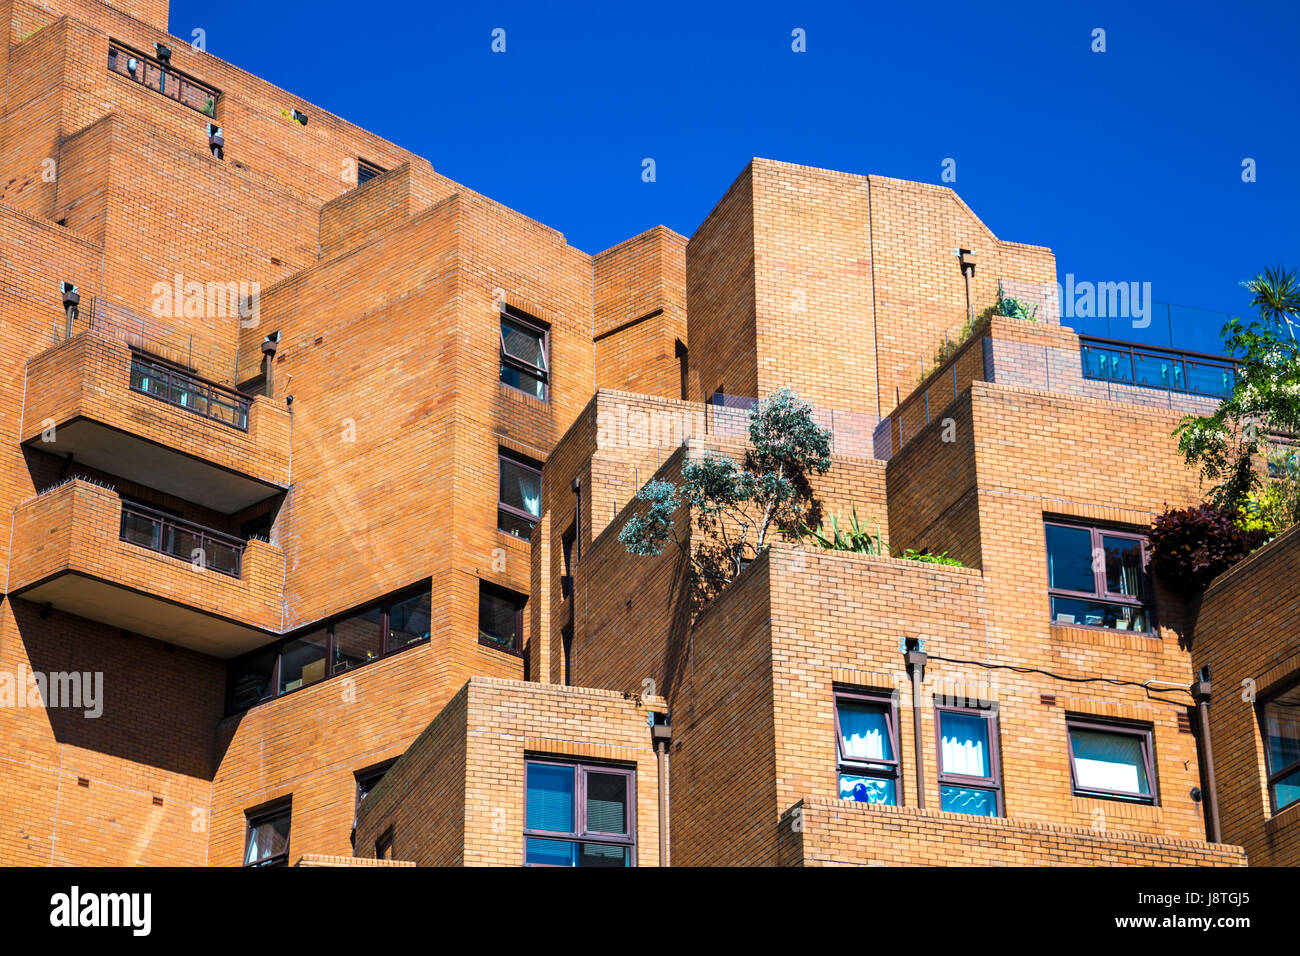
(184, 390)
(1147, 366)
(171, 83)
(172, 536)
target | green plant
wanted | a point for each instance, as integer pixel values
(1265, 399)
(736, 506)
(210, 106)
(1275, 506)
(928, 558)
(1190, 547)
(1014, 308)
(947, 349)
(858, 538)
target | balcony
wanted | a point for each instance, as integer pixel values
(79, 548)
(149, 72)
(1148, 366)
(121, 409)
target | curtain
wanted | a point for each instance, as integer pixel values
(1104, 761)
(864, 732)
(965, 744)
(521, 488)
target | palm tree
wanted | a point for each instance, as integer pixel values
(1276, 293)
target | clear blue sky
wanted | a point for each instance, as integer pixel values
(1127, 163)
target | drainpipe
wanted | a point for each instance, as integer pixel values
(967, 258)
(661, 735)
(915, 658)
(269, 345)
(1200, 691)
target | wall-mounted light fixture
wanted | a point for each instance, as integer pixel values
(300, 117)
(216, 140)
(71, 305)
(164, 54)
(131, 65)
(967, 259)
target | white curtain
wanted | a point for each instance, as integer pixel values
(1104, 761)
(965, 745)
(864, 732)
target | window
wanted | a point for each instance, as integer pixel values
(268, 836)
(369, 778)
(1111, 760)
(568, 542)
(1097, 577)
(324, 650)
(500, 617)
(1281, 724)
(866, 740)
(367, 171)
(519, 495)
(968, 761)
(524, 347)
(578, 815)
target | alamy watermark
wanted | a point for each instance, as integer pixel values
(1105, 300)
(75, 690)
(208, 300)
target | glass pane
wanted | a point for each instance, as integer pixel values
(267, 838)
(1112, 364)
(601, 854)
(249, 680)
(223, 557)
(1109, 761)
(1123, 565)
(302, 661)
(1282, 731)
(513, 524)
(183, 544)
(606, 802)
(1069, 559)
(551, 852)
(524, 381)
(1287, 790)
(1099, 614)
(140, 530)
(980, 803)
(965, 744)
(521, 488)
(1160, 371)
(1207, 378)
(408, 621)
(867, 789)
(551, 798)
(523, 343)
(498, 619)
(357, 639)
(864, 731)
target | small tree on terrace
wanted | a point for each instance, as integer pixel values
(1265, 399)
(737, 507)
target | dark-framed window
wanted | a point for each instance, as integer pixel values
(266, 841)
(525, 353)
(519, 494)
(1097, 577)
(368, 171)
(1112, 760)
(970, 777)
(578, 814)
(324, 650)
(500, 617)
(369, 778)
(1280, 723)
(866, 745)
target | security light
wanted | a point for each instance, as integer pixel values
(131, 64)
(216, 140)
(71, 302)
(300, 117)
(164, 53)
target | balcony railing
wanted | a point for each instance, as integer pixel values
(171, 83)
(184, 390)
(169, 535)
(1147, 366)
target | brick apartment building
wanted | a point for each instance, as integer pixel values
(315, 464)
